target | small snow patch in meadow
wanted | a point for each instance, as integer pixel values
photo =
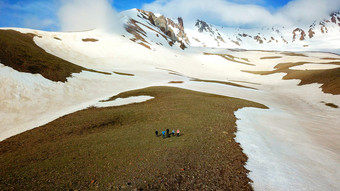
(124, 101)
(315, 67)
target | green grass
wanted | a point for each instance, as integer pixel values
(19, 52)
(115, 148)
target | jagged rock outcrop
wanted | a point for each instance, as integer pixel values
(311, 33)
(258, 39)
(299, 31)
(203, 26)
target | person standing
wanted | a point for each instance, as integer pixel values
(156, 132)
(163, 133)
(177, 132)
(167, 133)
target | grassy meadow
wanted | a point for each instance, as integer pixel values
(115, 148)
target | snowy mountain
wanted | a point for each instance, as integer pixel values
(292, 145)
(320, 35)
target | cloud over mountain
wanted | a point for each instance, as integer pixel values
(230, 13)
(78, 15)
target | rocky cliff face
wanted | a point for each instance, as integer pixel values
(174, 30)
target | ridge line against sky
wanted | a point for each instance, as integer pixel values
(52, 15)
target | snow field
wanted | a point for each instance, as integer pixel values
(291, 146)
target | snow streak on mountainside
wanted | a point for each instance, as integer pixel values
(320, 35)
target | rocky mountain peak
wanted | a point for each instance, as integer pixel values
(204, 26)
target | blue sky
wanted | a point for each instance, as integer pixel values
(43, 14)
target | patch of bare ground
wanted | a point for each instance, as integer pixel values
(89, 40)
(176, 82)
(57, 38)
(293, 54)
(116, 148)
(124, 74)
(330, 104)
(270, 57)
(329, 78)
(245, 59)
(230, 58)
(145, 45)
(19, 52)
(330, 58)
(221, 82)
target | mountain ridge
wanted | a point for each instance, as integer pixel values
(203, 34)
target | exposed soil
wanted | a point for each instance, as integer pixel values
(116, 148)
(89, 40)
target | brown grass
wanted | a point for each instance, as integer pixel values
(89, 40)
(145, 45)
(270, 57)
(330, 104)
(124, 74)
(293, 54)
(330, 79)
(176, 82)
(330, 58)
(19, 52)
(221, 82)
(115, 148)
(230, 58)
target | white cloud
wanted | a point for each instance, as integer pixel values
(300, 11)
(230, 13)
(79, 15)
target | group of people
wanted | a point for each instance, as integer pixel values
(167, 133)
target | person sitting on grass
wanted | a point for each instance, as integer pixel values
(156, 132)
(167, 133)
(177, 132)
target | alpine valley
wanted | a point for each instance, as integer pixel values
(257, 108)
